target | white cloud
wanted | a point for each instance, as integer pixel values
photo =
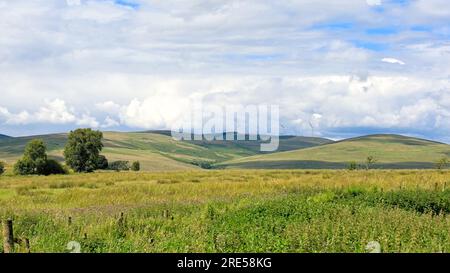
(392, 61)
(55, 112)
(109, 107)
(137, 68)
(373, 2)
(109, 122)
(86, 120)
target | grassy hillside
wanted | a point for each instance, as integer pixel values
(391, 151)
(156, 150)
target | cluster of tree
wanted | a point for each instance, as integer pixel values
(81, 153)
(124, 166)
(35, 161)
(202, 164)
(367, 165)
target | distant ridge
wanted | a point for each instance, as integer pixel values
(4, 136)
(390, 151)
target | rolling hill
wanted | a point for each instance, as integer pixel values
(390, 151)
(4, 136)
(156, 150)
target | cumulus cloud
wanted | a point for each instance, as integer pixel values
(109, 122)
(53, 112)
(101, 64)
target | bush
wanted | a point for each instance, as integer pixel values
(54, 167)
(136, 166)
(119, 166)
(102, 163)
(24, 166)
(352, 166)
(2, 167)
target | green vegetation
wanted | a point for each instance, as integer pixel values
(442, 163)
(390, 152)
(35, 161)
(136, 166)
(232, 211)
(119, 166)
(2, 167)
(82, 151)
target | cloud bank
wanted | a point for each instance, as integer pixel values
(353, 67)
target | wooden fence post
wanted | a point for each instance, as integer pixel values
(27, 245)
(8, 236)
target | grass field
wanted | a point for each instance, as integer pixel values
(232, 211)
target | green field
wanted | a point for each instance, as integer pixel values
(231, 211)
(390, 151)
(175, 206)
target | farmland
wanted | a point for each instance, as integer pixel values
(232, 211)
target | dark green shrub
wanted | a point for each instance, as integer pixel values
(2, 167)
(24, 166)
(102, 163)
(53, 167)
(119, 166)
(136, 166)
(352, 166)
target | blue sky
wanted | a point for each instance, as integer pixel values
(350, 67)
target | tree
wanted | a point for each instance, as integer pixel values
(136, 166)
(442, 163)
(370, 161)
(34, 161)
(82, 152)
(2, 167)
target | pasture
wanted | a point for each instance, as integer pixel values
(231, 211)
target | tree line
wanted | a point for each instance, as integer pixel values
(81, 154)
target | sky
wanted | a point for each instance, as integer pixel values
(350, 68)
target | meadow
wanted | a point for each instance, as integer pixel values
(231, 211)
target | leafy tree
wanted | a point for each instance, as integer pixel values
(370, 161)
(136, 166)
(82, 152)
(442, 163)
(35, 161)
(2, 167)
(36, 150)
